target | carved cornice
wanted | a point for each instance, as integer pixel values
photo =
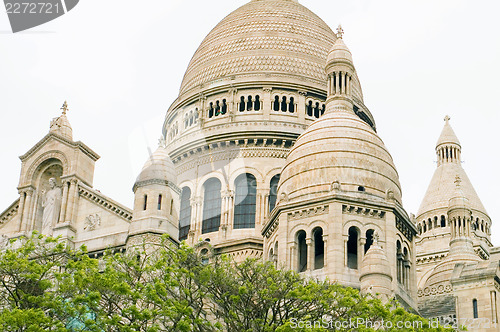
(364, 211)
(308, 212)
(167, 183)
(10, 212)
(435, 290)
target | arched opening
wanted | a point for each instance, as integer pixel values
(302, 251)
(242, 104)
(257, 103)
(204, 256)
(276, 104)
(159, 202)
(145, 205)
(319, 248)
(474, 309)
(217, 108)
(291, 105)
(316, 110)
(399, 261)
(406, 268)
(211, 110)
(224, 107)
(283, 104)
(352, 248)
(185, 214)
(273, 191)
(369, 239)
(276, 254)
(211, 206)
(309, 108)
(443, 221)
(361, 188)
(245, 200)
(323, 109)
(249, 103)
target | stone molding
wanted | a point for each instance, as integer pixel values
(367, 212)
(10, 212)
(308, 212)
(105, 202)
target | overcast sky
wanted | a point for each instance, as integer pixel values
(119, 64)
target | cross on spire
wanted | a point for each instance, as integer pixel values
(340, 31)
(65, 107)
(446, 119)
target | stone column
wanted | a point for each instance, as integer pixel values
(325, 257)
(267, 102)
(337, 85)
(293, 263)
(266, 206)
(64, 202)
(20, 209)
(310, 254)
(27, 210)
(348, 84)
(301, 106)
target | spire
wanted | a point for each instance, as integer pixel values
(341, 72)
(448, 147)
(60, 125)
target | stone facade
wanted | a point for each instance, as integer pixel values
(270, 152)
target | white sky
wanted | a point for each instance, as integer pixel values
(119, 63)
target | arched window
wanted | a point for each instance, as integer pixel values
(323, 109)
(283, 104)
(276, 104)
(245, 199)
(211, 110)
(443, 221)
(302, 251)
(257, 103)
(309, 108)
(145, 206)
(273, 191)
(319, 248)
(369, 239)
(316, 110)
(185, 214)
(249, 103)
(159, 202)
(291, 105)
(211, 206)
(242, 104)
(217, 108)
(474, 308)
(406, 268)
(352, 248)
(224, 107)
(399, 260)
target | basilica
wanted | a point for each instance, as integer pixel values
(270, 152)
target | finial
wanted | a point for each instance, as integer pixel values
(458, 180)
(65, 107)
(446, 119)
(340, 31)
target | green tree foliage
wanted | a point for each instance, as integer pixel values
(46, 286)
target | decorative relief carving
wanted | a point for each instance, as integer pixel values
(309, 212)
(367, 212)
(435, 290)
(271, 228)
(9, 213)
(404, 229)
(92, 222)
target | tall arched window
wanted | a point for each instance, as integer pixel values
(211, 206)
(352, 248)
(273, 191)
(369, 239)
(301, 251)
(245, 199)
(474, 309)
(399, 260)
(319, 248)
(185, 213)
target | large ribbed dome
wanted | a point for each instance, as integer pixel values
(339, 147)
(263, 39)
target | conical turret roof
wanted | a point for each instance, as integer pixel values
(442, 187)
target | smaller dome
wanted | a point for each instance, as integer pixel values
(60, 126)
(339, 53)
(339, 147)
(158, 167)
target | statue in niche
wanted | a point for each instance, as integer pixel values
(51, 203)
